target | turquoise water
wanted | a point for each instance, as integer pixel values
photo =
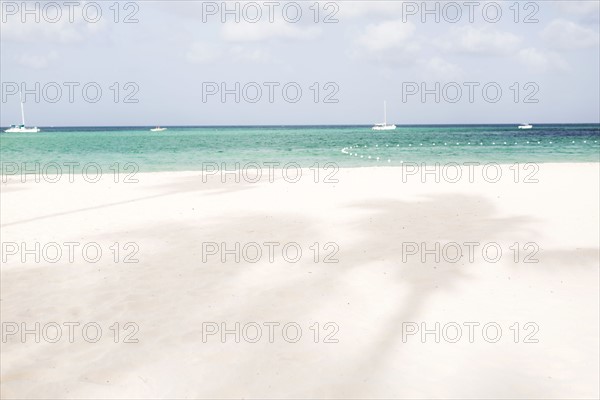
(187, 148)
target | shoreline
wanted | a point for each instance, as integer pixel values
(368, 125)
(411, 164)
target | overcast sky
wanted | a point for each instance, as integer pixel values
(369, 51)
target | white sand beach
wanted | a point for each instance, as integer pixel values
(364, 304)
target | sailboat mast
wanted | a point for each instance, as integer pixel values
(22, 110)
(384, 112)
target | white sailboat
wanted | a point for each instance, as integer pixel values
(384, 126)
(525, 126)
(158, 129)
(22, 128)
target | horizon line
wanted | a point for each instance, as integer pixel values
(305, 125)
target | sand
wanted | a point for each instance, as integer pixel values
(366, 304)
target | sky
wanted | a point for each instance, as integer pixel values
(109, 63)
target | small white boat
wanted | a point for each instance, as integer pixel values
(22, 128)
(384, 126)
(525, 126)
(158, 129)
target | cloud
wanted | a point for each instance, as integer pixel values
(566, 35)
(355, 9)
(539, 61)
(387, 36)
(480, 41)
(203, 53)
(181, 9)
(63, 31)
(257, 32)
(438, 67)
(36, 61)
(240, 53)
(389, 42)
(207, 53)
(587, 10)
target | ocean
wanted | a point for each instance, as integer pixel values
(191, 148)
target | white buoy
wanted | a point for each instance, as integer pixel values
(389, 160)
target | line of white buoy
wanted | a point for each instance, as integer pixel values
(353, 150)
(467, 143)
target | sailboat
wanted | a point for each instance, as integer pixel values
(21, 128)
(384, 126)
(158, 129)
(525, 126)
